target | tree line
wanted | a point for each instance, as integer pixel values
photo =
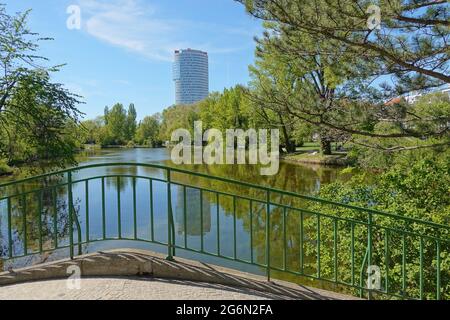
(38, 117)
(321, 71)
(119, 127)
(334, 80)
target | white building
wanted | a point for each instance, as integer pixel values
(191, 76)
(412, 97)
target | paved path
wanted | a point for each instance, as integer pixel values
(141, 274)
(129, 289)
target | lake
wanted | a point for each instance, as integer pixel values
(217, 217)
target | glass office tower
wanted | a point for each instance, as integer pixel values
(190, 73)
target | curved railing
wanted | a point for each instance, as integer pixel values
(299, 238)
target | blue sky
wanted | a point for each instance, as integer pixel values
(123, 51)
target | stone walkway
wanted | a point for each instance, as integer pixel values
(129, 289)
(141, 274)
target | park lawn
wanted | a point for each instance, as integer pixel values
(309, 156)
(309, 146)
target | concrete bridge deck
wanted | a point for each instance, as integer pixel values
(139, 274)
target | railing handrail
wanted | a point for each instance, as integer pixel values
(234, 181)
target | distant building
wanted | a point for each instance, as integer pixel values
(414, 96)
(191, 76)
(393, 101)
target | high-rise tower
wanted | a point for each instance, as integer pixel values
(191, 76)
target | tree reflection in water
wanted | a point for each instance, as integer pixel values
(216, 217)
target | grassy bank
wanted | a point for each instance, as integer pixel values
(310, 153)
(5, 169)
(335, 159)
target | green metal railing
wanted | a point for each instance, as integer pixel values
(295, 237)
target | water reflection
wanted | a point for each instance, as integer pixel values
(233, 227)
(193, 213)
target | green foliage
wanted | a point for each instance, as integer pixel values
(228, 110)
(420, 191)
(117, 124)
(37, 124)
(430, 113)
(147, 132)
(116, 127)
(131, 122)
(231, 109)
(37, 116)
(4, 168)
(178, 117)
(410, 43)
(319, 63)
(91, 131)
(296, 94)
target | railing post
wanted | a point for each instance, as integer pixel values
(369, 248)
(170, 240)
(268, 234)
(10, 244)
(69, 186)
(40, 221)
(438, 270)
(361, 275)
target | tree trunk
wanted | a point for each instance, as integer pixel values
(325, 146)
(325, 143)
(290, 145)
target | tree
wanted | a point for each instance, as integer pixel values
(433, 109)
(117, 125)
(227, 110)
(178, 117)
(356, 61)
(131, 122)
(19, 63)
(291, 93)
(29, 102)
(91, 130)
(410, 41)
(147, 132)
(36, 115)
(44, 133)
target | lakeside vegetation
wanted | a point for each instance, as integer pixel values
(322, 82)
(319, 101)
(311, 97)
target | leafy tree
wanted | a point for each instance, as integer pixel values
(410, 42)
(131, 122)
(352, 57)
(30, 104)
(178, 117)
(227, 110)
(290, 93)
(117, 125)
(147, 132)
(418, 190)
(44, 132)
(91, 130)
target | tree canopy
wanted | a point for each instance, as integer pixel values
(321, 63)
(35, 113)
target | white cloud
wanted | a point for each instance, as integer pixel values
(132, 25)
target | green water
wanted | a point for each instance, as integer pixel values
(217, 218)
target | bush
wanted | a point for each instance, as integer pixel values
(419, 190)
(4, 168)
